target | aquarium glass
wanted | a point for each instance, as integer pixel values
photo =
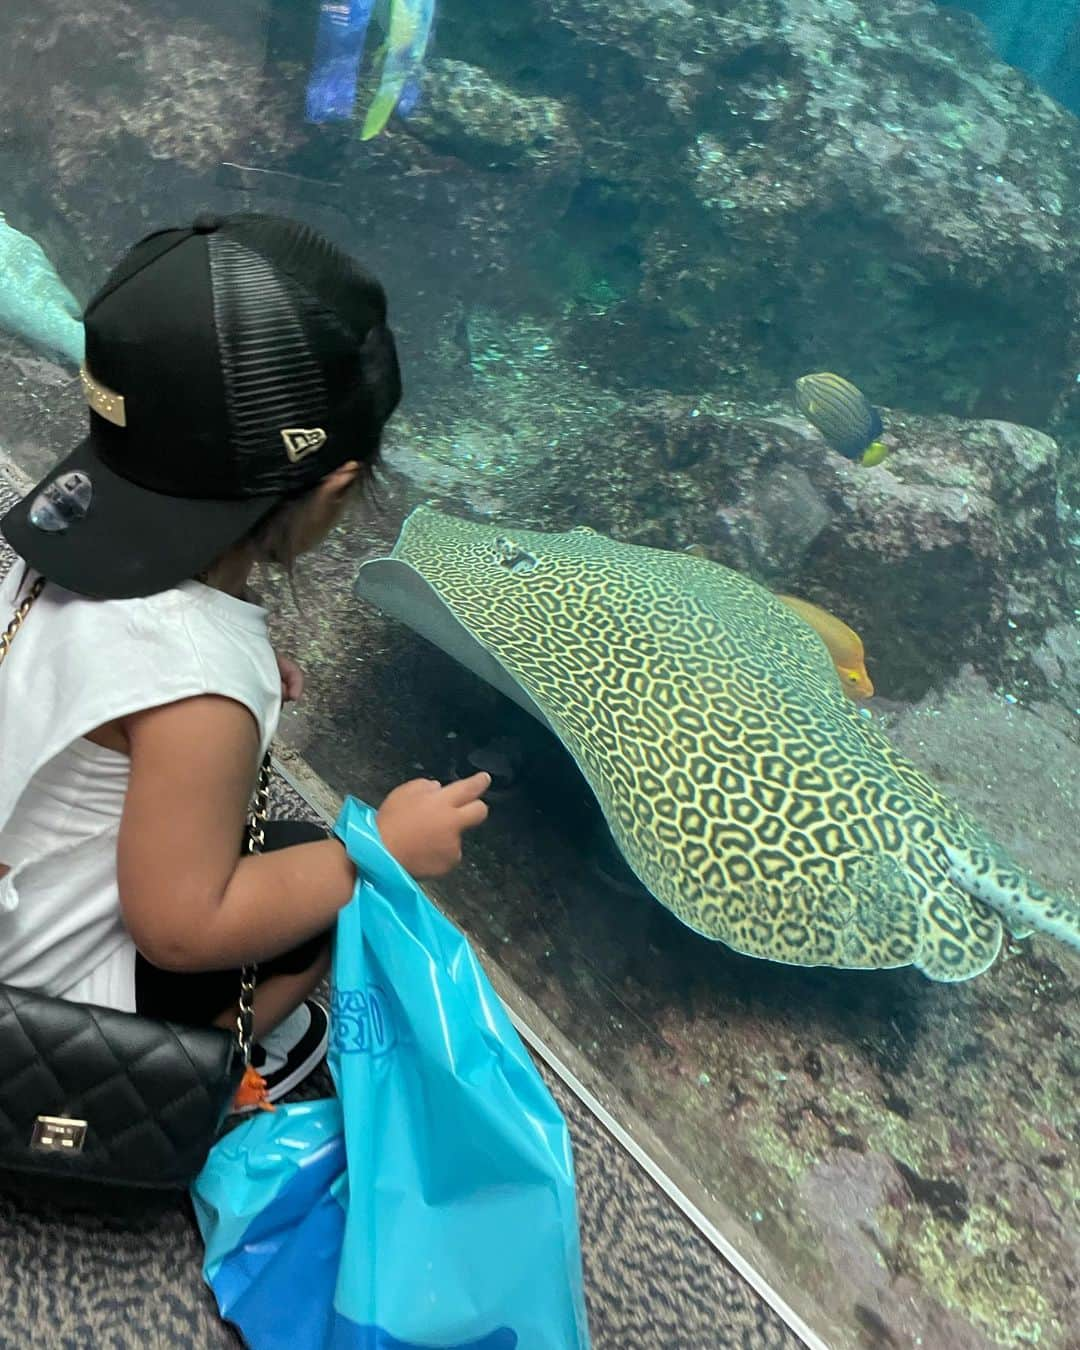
(614, 235)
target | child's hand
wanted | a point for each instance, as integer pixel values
(292, 679)
(421, 822)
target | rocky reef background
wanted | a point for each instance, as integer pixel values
(613, 234)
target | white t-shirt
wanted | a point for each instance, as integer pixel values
(76, 664)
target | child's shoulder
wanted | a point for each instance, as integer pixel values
(189, 623)
(194, 616)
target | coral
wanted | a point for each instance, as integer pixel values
(175, 91)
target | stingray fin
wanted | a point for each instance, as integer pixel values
(960, 939)
(399, 590)
(989, 875)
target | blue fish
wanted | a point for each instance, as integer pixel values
(339, 49)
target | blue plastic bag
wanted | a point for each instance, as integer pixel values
(432, 1204)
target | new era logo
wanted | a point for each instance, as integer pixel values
(299, 443)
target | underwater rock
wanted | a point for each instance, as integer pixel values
(775, 526)
(951, 548)
(862, 187)
(1058, 658)
(694, 199)
(1042, 39)
(130, 116)
(113, 90)
(42, 408)
(208, 97)
(970, 739)
(853, 1200)
(465, 112)
(880, 161)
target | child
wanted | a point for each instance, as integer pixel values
(239, 374)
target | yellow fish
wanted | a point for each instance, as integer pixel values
(406, 42)
(845, 647)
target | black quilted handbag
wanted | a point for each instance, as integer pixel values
(95, 1099)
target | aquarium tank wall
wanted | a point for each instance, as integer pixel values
(743, 391)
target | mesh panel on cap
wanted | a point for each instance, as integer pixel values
(323, 271)
(272, 377)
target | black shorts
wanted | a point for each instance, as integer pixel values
(197, 998)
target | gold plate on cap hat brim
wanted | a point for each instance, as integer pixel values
(104, 401)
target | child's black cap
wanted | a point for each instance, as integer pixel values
(229, 365)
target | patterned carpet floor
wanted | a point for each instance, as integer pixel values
(86, 1282)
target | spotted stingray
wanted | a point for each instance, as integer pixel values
(741, 784)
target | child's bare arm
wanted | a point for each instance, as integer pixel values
(187, 900)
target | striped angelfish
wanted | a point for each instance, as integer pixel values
(843, 414)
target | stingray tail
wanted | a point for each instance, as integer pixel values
(988, 874)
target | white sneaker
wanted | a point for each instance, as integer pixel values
(295, 1048)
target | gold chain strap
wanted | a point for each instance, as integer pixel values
(8, 635)
(256, 838)
(256, 833)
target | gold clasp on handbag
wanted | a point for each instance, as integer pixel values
(58, 1133)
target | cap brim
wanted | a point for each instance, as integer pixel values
(132, 541)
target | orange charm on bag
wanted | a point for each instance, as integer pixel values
(252, 1092)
